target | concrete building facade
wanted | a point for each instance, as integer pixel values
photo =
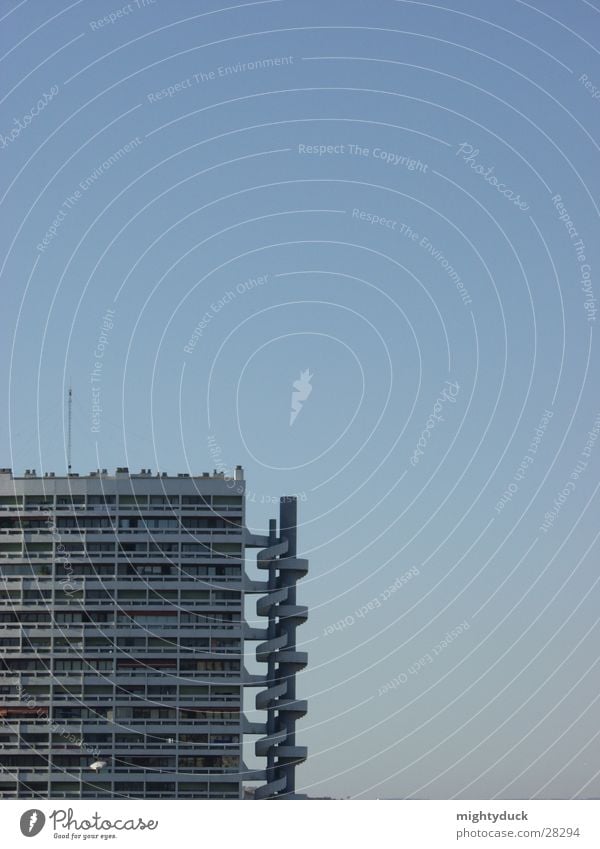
(122, 638)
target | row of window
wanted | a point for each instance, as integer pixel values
(100, 789)
(170, 619)
(224, 549)
(42, 740)
(60, 596)
(22, 523)
(79, 502)
(134, 762)
(117, 713)
(60, 666)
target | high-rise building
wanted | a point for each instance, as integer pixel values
(122, 638)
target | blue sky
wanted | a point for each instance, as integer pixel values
(311, 186)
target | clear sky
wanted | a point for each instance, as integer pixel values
(201, 203)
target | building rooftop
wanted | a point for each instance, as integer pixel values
(122, 472)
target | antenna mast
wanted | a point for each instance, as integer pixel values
(69, 427)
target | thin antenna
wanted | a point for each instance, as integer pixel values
(69, 427)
